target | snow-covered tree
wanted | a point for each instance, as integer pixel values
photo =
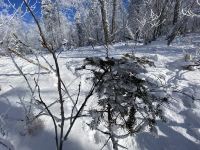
(94, 25)
(127, 103)
(52, 23)
(105, 21)
(134, 15)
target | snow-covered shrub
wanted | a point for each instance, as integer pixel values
(188, 57)
(30, 126)
(127, 103)
(191, 63)
(35, 126)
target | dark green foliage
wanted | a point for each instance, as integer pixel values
(131, 121)
(123, 95)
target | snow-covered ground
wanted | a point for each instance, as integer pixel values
(180, 132)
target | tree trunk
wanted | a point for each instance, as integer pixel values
(114, 18)
(114, 141)
(105, 21)
(158, 30)
(176, 11)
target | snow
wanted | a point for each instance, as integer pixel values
(180, 132)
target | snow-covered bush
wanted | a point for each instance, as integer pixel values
(30, 124)
(127, 103)
(191, 62)
(35, 126)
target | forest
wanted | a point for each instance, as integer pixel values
(99, 75)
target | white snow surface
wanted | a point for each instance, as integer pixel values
(180, 132)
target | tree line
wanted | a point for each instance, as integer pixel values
(98, 22)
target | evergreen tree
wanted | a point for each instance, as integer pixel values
(127, 103)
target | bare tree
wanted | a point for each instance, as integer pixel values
(59, 122)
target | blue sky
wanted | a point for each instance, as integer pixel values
(70, 12)
(17, 3)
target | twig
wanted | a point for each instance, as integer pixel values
(74, 106)
(27, 59)
(105, 143)
(83, 105)
(49, 112)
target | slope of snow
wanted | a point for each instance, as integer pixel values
(180, 132)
